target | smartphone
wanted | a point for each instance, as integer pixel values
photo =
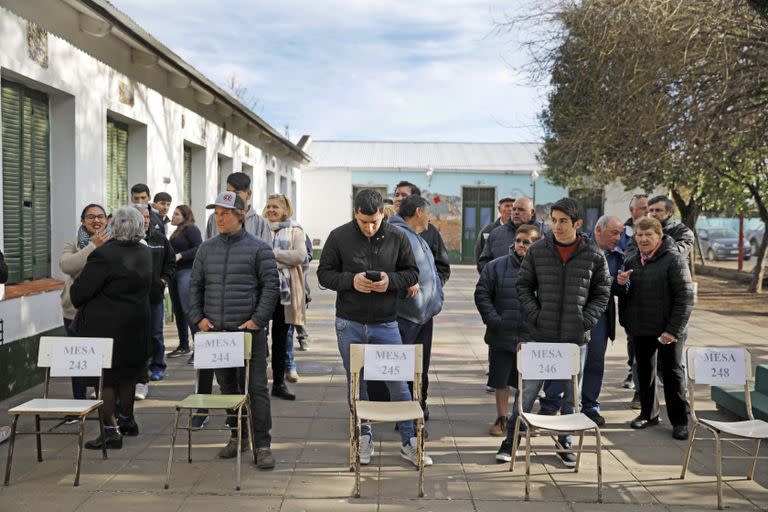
(373, 275)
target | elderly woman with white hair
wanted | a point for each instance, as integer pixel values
(112, 299)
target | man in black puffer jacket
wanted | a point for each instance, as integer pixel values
(234, 287)
(564, 285)
(496, 300)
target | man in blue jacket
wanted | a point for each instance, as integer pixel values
(424, 300)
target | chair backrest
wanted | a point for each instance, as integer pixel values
(722, 366)
(74, 356)
(385, 362)
(222, 349)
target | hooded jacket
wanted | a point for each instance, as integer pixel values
(347, 252)
(659, 295)
(499, 306)
(234, 279)
(563, 301)
(429, 300)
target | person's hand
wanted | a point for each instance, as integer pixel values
(178, 256)
(666, 338)
(362, 284)
(412, 291)
(204, 325)
(623, 277)
(99, 238)
(250, 325)
(381, 286)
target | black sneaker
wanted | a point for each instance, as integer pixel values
(505, 451)
(178, 352)
(567, 458)
(128, 427)
(595, 416)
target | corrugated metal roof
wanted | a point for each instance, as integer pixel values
(492, 156)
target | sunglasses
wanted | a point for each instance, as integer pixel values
(523, 241)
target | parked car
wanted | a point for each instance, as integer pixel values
(722, 244)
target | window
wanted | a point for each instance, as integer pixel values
(26, 182)
(117, 165)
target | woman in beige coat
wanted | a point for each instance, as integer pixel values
(290, 252)
(92, 233)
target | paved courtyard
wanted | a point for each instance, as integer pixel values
(641, 469)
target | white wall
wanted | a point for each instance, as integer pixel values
(326, 196)
(83, 91)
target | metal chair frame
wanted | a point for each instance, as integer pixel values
(356, 362)
(530, 421)
(716, 432)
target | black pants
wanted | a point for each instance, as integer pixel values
(648, 351)
(279, 340)
(232, 381)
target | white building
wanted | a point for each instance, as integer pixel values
(92, 104)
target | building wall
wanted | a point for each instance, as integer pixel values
(83, 92)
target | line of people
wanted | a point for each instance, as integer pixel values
(559, 285)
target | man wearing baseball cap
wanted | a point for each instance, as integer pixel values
(235, 287)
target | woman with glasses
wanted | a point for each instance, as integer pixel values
(502, 313)
(92, 233)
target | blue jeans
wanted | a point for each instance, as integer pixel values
(157, 361)
(349, 332)
(594, 367)
(178, 288)
(290, 364)
(550, 405)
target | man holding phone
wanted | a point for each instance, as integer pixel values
(369, 263)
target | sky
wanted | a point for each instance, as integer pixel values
(361, 69)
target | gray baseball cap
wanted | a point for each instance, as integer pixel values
(228, 199)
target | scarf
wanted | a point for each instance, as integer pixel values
(83, 238)
(282, 238)
(644, 257)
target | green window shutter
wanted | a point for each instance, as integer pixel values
(187, 199)
(117, 165)
(26, 182)
(12, 95)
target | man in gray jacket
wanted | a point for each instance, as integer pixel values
(235, 287)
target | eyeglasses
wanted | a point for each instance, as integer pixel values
(100, 216)
(523, 241)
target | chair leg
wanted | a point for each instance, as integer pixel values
(754, 460)
(173, 444)
(352, 433)
(687, 456)
(39, 439)
(358, 435)
(719, 471)
(189, 437)
(239, 443)
(599, 446)
(11, 443)
(515, 443)
(578, 455)
(252, 439)
(80, 439)
(528, 463)
(420, 444)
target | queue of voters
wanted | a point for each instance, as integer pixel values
(546, 283)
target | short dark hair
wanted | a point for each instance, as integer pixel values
(506, 200)
(410, 204)
(368, 202)
(415, 191)
(568, 206)
(669, 205)
(88, 207)
(528, 229)
(239, 181)
(139, 188)
(162, 196)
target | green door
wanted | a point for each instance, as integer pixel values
(117, 165)
(477, 212)
(26, 182)
(187, 179)
(592, 203)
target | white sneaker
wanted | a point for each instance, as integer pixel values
(142, 391)
(366, 449)
(410, 452)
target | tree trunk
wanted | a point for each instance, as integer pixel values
(756, 286)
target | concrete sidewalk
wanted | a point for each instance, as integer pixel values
(641, 468)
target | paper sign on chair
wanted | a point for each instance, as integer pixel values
(219, 349)
(719, 366)
(389, 362)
